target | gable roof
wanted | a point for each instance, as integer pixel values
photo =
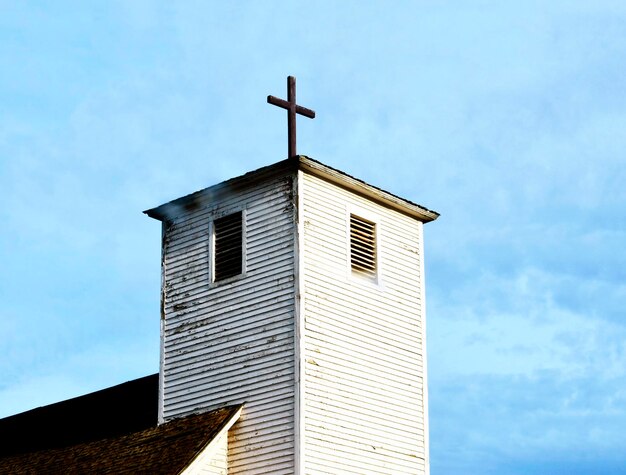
(111, 412)
(168, 448)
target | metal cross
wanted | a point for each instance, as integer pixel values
(292, 110)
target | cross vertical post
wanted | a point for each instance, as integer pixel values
(291, 115)
(292, 109)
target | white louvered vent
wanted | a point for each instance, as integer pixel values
(362, 246)
(228, 247)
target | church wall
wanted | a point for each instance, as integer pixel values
(362, 391)
(233, 342)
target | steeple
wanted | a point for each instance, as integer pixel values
(297, 290)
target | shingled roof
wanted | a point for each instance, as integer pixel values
(119, 410)
(168, 448)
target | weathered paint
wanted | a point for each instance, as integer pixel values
(331, 366)
(363, 354)
(232, 343)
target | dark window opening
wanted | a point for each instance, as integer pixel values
(228, 246)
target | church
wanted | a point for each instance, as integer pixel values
(292, 339)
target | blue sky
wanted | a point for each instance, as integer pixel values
(506, 117)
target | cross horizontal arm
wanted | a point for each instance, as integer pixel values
(287, 105)
(305, 112)
(278, 102)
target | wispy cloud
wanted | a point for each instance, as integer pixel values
(507, 118)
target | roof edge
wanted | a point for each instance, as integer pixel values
(300, 162)
(377, 194)
(235, 414)
(190, 201)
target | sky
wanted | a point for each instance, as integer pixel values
(506, 117)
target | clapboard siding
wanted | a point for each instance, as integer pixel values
(213, 460)
(363, 394)
(233, 342)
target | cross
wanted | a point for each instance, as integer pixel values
(292, 110)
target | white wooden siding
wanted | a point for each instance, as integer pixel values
(213, 460)
(363, 394)
(233, 343)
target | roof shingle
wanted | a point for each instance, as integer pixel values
(167, 449)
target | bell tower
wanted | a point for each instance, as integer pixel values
(297, 290)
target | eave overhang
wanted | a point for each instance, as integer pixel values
(195, 200)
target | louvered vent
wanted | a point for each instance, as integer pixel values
(362, 246)
(228, 246)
